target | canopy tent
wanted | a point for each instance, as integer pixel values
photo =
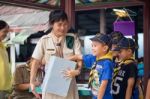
(11, 10)
(26, 22)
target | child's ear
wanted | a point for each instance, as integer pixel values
(106, 48)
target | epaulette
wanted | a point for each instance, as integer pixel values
(70, 38)
(45, 36)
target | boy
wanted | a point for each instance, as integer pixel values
(102, 66)
(124, 81)
(21, 82)
(116, 36)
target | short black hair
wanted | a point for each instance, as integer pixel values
(3, 24)
(116, 36)
(57, 15)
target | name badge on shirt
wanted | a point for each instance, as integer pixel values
(51, 51)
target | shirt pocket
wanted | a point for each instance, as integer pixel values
(26, 76)
(49, 52)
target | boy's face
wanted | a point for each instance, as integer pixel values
(60, 28)
(124, 54)
(98, 48)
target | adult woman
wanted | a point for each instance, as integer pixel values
(5, 71)
(59, 43)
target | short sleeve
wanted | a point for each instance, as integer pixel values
(77, 46)
(18, 76)
(88, 60)
(107, 71)
(38, 52)
(132, 70)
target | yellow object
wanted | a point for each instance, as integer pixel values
(121, 13)
(141, 96)
(127, 61)
(5, 71)
(107, 56)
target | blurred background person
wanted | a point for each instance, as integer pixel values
(5, 70)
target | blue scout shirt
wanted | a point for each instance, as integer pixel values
(103, 71)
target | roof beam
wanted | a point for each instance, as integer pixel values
(70, 10)
(104, 5)
(29, 4)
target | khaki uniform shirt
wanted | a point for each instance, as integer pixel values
(22, 76)
(46, 48)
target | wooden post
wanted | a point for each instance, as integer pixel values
(102, 21)
(69, 7)
(12, 54)
(146, 42)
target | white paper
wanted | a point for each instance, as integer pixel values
(54, 81)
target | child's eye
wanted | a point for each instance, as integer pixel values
(93, 45)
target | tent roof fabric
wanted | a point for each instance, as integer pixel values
(28, 20)
(11, 10)
(23, 17)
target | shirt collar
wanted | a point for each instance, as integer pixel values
(2, 45)
(107, 56)
(56, 39)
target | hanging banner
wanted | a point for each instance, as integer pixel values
(126, 27)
